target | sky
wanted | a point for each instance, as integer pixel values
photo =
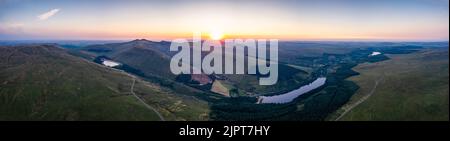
(349, 20)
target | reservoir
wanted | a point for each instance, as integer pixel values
(110, 63)
(289, 96)
(375, 53)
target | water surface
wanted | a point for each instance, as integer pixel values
(289, 96)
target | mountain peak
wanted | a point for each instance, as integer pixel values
(137, 40)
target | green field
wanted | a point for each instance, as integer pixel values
(410, 87)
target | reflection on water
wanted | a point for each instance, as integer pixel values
(375, 53)
(288, 97)
(110, 63)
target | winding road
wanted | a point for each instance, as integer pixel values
(360, 100)
(132, 88)
(142, 101)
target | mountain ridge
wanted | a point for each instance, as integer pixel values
(43, 82)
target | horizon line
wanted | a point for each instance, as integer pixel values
(283, 40)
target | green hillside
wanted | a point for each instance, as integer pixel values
(406, 87)
(46, 83)
(152, 58)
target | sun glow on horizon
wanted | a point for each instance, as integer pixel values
(221, 19)
(216, 35)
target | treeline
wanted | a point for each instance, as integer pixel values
(315, 105)
(187, 80)
(246, 109)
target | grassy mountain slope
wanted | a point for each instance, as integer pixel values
(410, 87)
(152, 58)
(46, 83)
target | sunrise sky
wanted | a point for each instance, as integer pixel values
(359, 20)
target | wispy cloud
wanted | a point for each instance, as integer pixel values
(48, 14)
(12, 27)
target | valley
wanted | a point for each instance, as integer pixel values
(44, 82)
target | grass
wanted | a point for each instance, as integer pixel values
(172, 106)
(45, 83)
(413, 87)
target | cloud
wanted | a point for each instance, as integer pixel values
(12, 27)
(48, 14)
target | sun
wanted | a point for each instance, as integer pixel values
(216, 35)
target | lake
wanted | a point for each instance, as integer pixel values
(110, 63)
(375, 53)
(290, 96)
